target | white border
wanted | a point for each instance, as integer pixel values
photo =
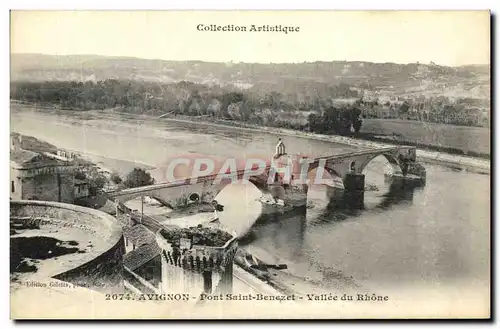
(254, 4)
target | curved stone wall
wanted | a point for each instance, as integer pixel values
(99, 269)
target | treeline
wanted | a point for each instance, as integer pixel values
(461, 112)
(311, 110)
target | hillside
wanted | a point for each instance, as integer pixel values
(414, 79)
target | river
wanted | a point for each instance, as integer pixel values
(431, 236)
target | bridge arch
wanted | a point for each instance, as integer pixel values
(179, 194)
(356, 162)
(211, 192)
(394, 162)
(334, 172)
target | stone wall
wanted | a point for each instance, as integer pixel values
(101, 269)
(103, 273)
(199, 269)
(17, 192)
(48, 187)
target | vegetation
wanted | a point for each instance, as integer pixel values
(115, 178)
(284, 78)
(187, 98)
(472, 141)
(199, 235)
(79, 174)
(138, 177)
(266, 94)
(96, 179)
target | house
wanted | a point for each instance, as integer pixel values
(142, 261)
(142, 269)
(36, 176)
(152, 265)
(81, 188)
(136, 236)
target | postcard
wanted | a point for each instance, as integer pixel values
(250, 165)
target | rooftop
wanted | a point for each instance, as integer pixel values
(33, 144)
(27, 152)
(138, 234)
(141, 255)
(25, 159)
(23, 156)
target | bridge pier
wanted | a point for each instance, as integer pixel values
(354, 190)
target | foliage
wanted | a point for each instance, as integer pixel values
(261, 104)
(199, 235)
(96, 180)
(138, 177)
(80, 175)
(115, 178)
(336, 121)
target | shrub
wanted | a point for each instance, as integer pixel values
(138, 177)
(115, 178)
(80, 175)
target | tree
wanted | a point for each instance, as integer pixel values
(356, 119)
(404, 107)
(96, 181)
(138, 177)
(357, 124)
(115, 178)
(80, 175)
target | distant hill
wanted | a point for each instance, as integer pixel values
(380, 78)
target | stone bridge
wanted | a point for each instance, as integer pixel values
(349, 167)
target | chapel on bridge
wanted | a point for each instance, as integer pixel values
(280, 149)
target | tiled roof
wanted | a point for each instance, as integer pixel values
(141, 255)
(23, 156)
(29, 159)
(138, 234)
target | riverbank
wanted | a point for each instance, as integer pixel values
(439, 137)
(473, 164)
(469, 163)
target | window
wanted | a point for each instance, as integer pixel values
(12, 188)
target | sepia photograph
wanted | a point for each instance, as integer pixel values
(250, 164)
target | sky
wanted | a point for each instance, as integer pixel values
(449, 38)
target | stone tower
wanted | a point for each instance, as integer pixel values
(192, 267)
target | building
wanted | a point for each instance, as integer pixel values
(142, 262)
(38, 176)
(154, 265)
(193, 267)
(142, 269)
(136, 236)
(81, 188)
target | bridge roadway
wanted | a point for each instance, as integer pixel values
(240, 172)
